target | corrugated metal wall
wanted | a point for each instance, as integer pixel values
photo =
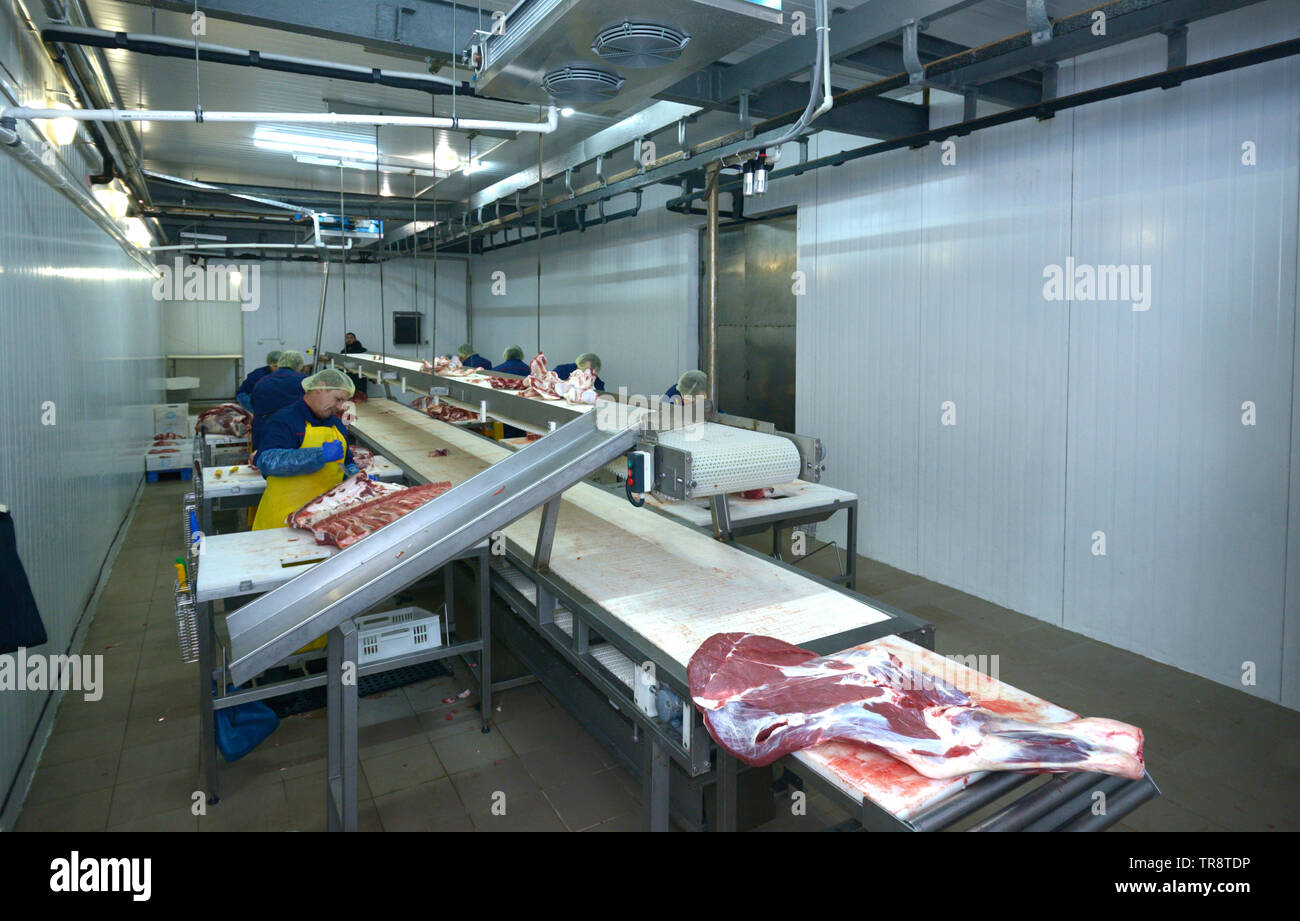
(290, 301)
(80, 336)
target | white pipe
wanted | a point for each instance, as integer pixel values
(311, 118)
(827, 99)
(192, 246)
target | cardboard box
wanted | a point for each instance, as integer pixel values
(171, 418)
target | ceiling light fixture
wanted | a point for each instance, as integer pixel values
(446, 159)
(269, 138)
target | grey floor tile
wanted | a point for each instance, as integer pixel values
(402, 769)
(531, 813)
(155, 758)
(472, 750)
(182, 819)
(262, 808)
(58, 781)
(79, 812)
(153, 796)
(571, 757)
(630, 822)
(590, 800)
(433, 806)
(539, 731)
(382, 738)
(481, 787)
(79, 744)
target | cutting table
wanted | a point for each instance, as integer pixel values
(619, 579)
(252, 563)
(234, 486)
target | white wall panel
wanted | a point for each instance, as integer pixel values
(290, 301)
(80, 334)
(989, 489)
(626, 291)
(1193, 503)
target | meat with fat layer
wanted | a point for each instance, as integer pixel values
(354, 522)
(353, 491)
(763, 698)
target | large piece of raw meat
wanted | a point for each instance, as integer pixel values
(351, 492)
(226, 419)
(346, 527)
(762, 698)
(542, 382)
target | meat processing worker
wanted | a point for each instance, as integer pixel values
(352, 346)
(276, 391)
(585, 360)
(691, 386)
(245, 393)
(512, 362)
(471, 359)
(304, 450)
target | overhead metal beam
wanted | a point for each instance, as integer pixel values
(1020, 89)
(1074, 35)
(851, 31)
(429, 27)
(878, 117)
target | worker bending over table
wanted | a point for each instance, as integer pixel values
(691, 386)
(245, 394)
(585, 360)
(276, 391)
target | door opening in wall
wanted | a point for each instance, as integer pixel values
(757, 259)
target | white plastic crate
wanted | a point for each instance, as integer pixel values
(398, 633)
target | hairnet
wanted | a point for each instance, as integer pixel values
(273, 357)
(693, 383)
(329, 379)
(515, 351)
(465, 350)
(291, 360)
(589, 359)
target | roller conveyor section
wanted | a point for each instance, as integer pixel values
(270, 628)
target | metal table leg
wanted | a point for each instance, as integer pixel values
(207, 723)
(483, 584)
(654, 786)
(726, 791)
(852, 547)
(341, 718)
(449, 596)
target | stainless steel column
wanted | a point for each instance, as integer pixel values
(711, 282)
(341, 720)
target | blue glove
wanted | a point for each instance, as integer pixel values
(332, 451)
(351, 469)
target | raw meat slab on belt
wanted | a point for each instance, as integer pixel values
(346, 527)
(226, 419)
(762, 698)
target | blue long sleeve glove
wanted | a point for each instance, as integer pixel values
(289, 461)
(332, 451)
(245, 400)
(351, 469)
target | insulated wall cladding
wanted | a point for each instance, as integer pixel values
(80, 369)
(1180, 415)
(626, 291)
(289, 300)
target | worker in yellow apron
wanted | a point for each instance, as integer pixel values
(304, 452)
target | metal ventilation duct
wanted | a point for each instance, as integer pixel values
(582, 84)
(640, 44)
(541, 40)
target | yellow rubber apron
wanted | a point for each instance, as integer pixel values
(284, 495)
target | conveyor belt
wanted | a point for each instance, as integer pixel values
(674, 586)
(267, 630)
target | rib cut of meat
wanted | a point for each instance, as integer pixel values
(226, 419)
(580, 387)
(442, 411)
(351, 492)
(508, 383)
(542, 382)
(348, 526)
(762, 698)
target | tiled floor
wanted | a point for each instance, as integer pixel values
(1223, 759)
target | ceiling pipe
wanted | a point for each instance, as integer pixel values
(186, 247)
(288, 118)
(163, 46)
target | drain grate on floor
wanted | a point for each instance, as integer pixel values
(314, 698)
